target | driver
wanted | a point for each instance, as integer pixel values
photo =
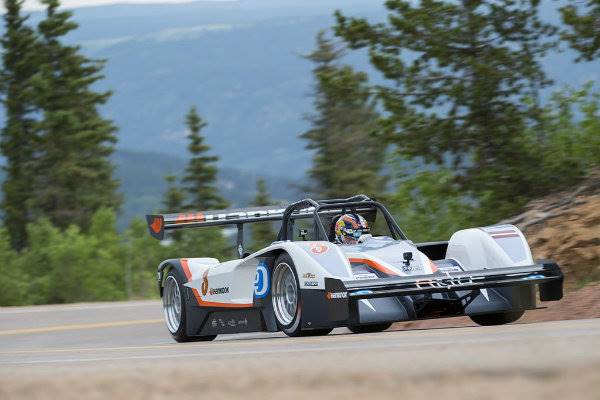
(349, 228)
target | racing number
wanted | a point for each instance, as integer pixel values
(261, 280)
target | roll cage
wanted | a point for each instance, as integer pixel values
(309, 207)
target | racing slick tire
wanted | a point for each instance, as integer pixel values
(174, 307)
(369, 328)
(497, 319)
(286, 299)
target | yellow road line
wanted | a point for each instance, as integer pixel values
(80, 326)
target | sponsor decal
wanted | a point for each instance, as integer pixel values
(201, 217)
(232, 323)
(311, 283)
(261, 280)
(204, 287)
(309, 275)
(411, 268)
(221, 290)
(365, 275)
(449, 268)
(319, 248)
(447, 283)
(190, 217)
(535, 276)
(336, 295)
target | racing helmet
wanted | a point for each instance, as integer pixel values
(350, 227)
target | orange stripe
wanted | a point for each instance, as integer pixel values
(373, 264)
(203, 303)
(186, 269)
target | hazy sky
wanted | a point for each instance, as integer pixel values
(35, 5)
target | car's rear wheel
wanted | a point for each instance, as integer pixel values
(369, 328)
(174, 307)
(497, 319)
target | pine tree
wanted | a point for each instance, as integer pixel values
(262, 232)
(174, 197)
(348, 157)
(173, 201)
(20, 47)
(73, 171)
(463, 75)
(201, 173)
(583, 34)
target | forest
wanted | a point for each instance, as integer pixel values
(456, 135)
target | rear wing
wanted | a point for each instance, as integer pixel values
(159, 223)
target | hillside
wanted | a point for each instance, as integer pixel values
(566, 227)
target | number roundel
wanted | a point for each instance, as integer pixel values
(261, 281)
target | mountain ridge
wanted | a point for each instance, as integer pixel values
(240, 63)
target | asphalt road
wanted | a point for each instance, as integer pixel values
(115, 342)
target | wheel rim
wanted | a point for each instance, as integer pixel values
(172, 304)
(285, 294)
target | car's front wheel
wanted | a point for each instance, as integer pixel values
(286, 299)
(497, 319)
(285, 296)
(174, 308)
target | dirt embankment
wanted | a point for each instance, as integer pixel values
(565, 227)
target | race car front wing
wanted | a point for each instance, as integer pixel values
(546, 274)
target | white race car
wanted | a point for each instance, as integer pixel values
(305, 283)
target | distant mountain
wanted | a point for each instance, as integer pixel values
(143, 184)
(240, 63)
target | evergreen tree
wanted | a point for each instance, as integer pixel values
(173, 201)
(464, 74)
(348, 158)
(20, 49)
(262, 232)
(174, 197)
(584, 28)
(201, 173)
(73, 173)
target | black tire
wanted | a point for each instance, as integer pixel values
(292, 328)
(497, 319)
(369, 328)
(180, 334)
